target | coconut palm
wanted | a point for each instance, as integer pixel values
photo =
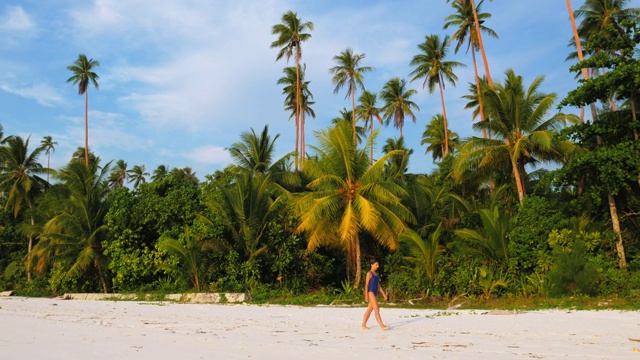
(368, 111)
(76, 231)
(424, 252)
(466, 34)
(347, 196)
(491, 239)
(291, 34)
(519, 130)
(349, 73)
(118, 174)
(290, 80)
(138, 175)
(83, 75)
(397, 165)
(189, 255)
(598, 14)
(346, 116)
(48, 145)
(160, 173)
(434, 137)
(19, 178)
(397, 102)
(478, 28)
(431, 65)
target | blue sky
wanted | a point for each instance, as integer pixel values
(180, 80)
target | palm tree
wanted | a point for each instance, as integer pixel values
(431, 66)
(189, 254)
(492, 239)
(246, 210)
(19, 178)
(137, 175)
(478, 25)
(397, 165)
(348, 72)
(48, 145)
(466, 33)
(434, 137)
(368, 112)
(598, 14)
(76, 231)
(290, 80)
(253, 152)
(348, 196)
(160, 173)
(82, 70)
(291, 34)
(118, 174)
(520, 129)
(397, 102)
(424, 252)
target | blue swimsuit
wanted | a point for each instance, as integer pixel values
(373, 283)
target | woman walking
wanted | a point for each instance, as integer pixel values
(371, 289)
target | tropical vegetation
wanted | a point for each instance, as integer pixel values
(487, 223)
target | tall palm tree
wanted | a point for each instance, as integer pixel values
(397, 102)
(83, 75)
(466, 33)
(301, 106)
(137, 175)
(348, 196)
(478, 25)
(368, 111)
(291, 34)
(431, 65)
(19, 178)
(48, 145)
(433, 136)
(118, 174)
(520, 128)
(349, 73)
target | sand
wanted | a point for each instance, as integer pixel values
(37, 328)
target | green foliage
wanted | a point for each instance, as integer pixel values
(571, 272)
(536, 218)
(485, 280)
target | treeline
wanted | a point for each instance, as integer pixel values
(482, 224)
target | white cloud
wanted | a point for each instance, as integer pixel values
(15, 19)
(43, 94)
(211, 155)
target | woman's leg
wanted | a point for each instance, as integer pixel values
(368, 312)
(373, 303)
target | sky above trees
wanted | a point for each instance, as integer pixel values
(180, 80)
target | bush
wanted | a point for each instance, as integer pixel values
(571, 272)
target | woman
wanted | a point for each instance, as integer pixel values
(371, 289)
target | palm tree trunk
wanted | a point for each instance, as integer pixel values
(30, 247)
(444, 118)
(371, 133)
(481, 44)
(297, 159)
(622, 260)
(516, 175)
(86, 127)
(104, 282)
(353, 111)
(480, 104)
(358, 261)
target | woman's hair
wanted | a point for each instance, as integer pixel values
(372, 261)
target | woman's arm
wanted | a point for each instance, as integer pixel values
(366, 287)
(383, 293)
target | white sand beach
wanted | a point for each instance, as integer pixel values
(36, 328)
